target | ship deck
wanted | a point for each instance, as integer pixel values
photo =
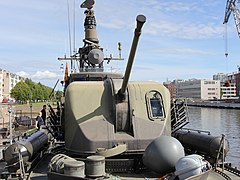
(41, 169)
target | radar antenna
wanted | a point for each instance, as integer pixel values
(88, 4)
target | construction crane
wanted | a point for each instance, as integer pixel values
(231, 7)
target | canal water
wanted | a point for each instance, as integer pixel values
(218, 122)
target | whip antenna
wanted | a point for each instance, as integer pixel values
(69, 35)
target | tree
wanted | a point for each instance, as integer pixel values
(44, 91)
(39, 92)
(30, 90)
(21, 91)
(59, 94)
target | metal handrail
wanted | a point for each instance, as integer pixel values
(222, 144)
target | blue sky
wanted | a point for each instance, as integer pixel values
(180, 40)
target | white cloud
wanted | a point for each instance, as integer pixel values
(184, 30)
(44, 75)
(182, 51)
(113, 23)
(167, 19)
(39, 75)
(23, 74)
(173, 6)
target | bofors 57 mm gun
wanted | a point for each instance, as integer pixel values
(113, 116)
(105, 114)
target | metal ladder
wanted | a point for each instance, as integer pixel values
(179, 114)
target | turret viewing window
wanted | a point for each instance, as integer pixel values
(155, 105)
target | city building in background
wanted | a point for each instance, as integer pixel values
(237, 82)
(221, 87)
(172, 89)
(235, 78)
(199, 89)
(1, 85)
(7, 81)
(220, 76)
(228, 90)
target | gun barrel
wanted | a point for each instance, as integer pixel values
(141, 19)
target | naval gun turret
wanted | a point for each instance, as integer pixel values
(104, 114)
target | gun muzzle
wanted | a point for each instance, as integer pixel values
(141, 19)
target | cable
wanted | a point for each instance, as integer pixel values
(226, 41)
